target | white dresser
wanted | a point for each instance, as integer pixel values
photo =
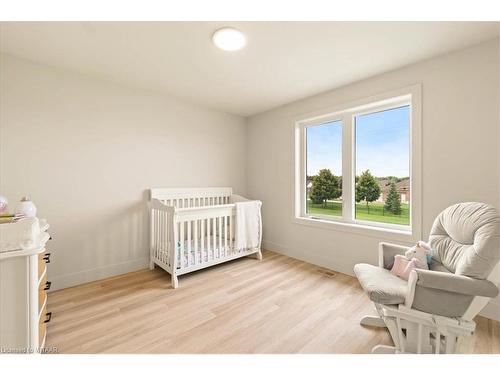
(23, 297)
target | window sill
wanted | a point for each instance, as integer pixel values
(385, 233)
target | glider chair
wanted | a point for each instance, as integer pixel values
(435, 308)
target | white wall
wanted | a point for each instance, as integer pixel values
(460, 151)
(86, 151)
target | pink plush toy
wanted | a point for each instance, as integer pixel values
(415, 257)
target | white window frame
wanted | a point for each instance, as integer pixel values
(346, 115)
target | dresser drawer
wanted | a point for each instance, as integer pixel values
(45, 317)
(42, 327)
(42, 282)
(43, 259)
(42, 298)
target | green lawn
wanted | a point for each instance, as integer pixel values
(376, 212)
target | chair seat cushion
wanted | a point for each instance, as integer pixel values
(381, 285)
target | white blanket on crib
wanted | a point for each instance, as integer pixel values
(248, 227)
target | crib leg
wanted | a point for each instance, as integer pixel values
(175, 282)
(257, 255)
(151, 265)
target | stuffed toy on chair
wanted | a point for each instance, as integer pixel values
(415, 257)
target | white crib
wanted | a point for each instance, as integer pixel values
(193, 228)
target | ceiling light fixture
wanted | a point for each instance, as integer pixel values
(229, 39)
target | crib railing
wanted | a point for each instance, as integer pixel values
(194, 237)
(203, 235)
(192, 197)
(195, 202)
(162, 234)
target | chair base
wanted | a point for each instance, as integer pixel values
(414, 331)
(384, 349)
(372, 321)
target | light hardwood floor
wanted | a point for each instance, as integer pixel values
(277, 305)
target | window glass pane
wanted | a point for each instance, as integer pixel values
(383, 166)
(324, 169)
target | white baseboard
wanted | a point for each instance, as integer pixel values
(81, 277)
(292, 253)
(491, 310)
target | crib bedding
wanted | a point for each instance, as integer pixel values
(205, 255)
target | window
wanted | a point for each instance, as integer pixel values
(382, 162)
(359, 165)
(324, 169)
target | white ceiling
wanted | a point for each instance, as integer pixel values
(282, 62)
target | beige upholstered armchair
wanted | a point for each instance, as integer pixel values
(431, 311)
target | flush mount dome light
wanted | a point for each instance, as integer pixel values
(229, 39)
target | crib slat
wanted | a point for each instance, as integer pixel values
(209, 236)
(153, 232)
(162, 233)
(202, 252)
(165, 237)
(181, 249)
(209, 244)
(196, 257)
(162, 230)
(189, 241)
(219, 232)
(159, 233)
(231, 243)
(158, 237)
(159, 251)
(225, 236)
(214, 236)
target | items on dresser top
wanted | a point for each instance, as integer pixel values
(26, 207)
(25, 234)
(3, 205)
(10, 218)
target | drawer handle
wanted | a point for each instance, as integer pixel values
(47, 285)
(48, 317)
(46, 258)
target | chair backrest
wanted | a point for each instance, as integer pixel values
(466, 238)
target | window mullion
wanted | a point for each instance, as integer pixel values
(347, 168)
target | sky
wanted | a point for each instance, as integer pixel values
(381, 144)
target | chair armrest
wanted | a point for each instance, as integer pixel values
(445, 293)
(386, 252)
(456, 283)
